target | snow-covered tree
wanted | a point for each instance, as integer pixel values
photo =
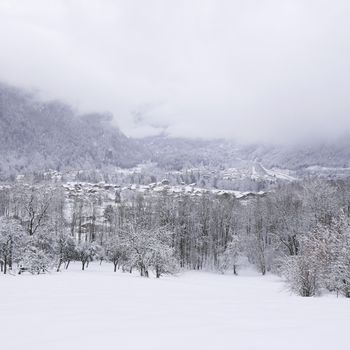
(36, 203)
(230, 256)
(39, 251)
(35, 260)
(323, 260)
(86, 252)
(163, 259)
(150, 249)
(64, 247)
(11, 240)
(302, 274)
(117, 251)
(336, 261)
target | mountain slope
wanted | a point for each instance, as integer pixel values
(38, 136)
(333, 154)
(176, 153)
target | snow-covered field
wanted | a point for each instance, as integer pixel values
(195, 310)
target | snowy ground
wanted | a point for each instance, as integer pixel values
(105, 310)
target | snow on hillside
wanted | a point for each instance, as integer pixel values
(196, 310)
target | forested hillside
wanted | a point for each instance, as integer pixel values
(176, 153)
(333, 154)
(179, 153)
(36, 136)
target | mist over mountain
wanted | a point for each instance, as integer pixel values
(334, 153)
(180, 152)
(37, 136)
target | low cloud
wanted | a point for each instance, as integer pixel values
(250, 70)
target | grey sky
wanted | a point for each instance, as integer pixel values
(253, 70)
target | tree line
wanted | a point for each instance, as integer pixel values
(299, 230)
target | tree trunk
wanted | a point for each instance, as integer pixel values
(59, 265)
(10, 256)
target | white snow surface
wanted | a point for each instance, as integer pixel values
(100, 309)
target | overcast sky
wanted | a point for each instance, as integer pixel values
(273, 70)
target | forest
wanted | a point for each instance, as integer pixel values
(299, 230)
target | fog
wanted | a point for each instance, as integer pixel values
(275, 71)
